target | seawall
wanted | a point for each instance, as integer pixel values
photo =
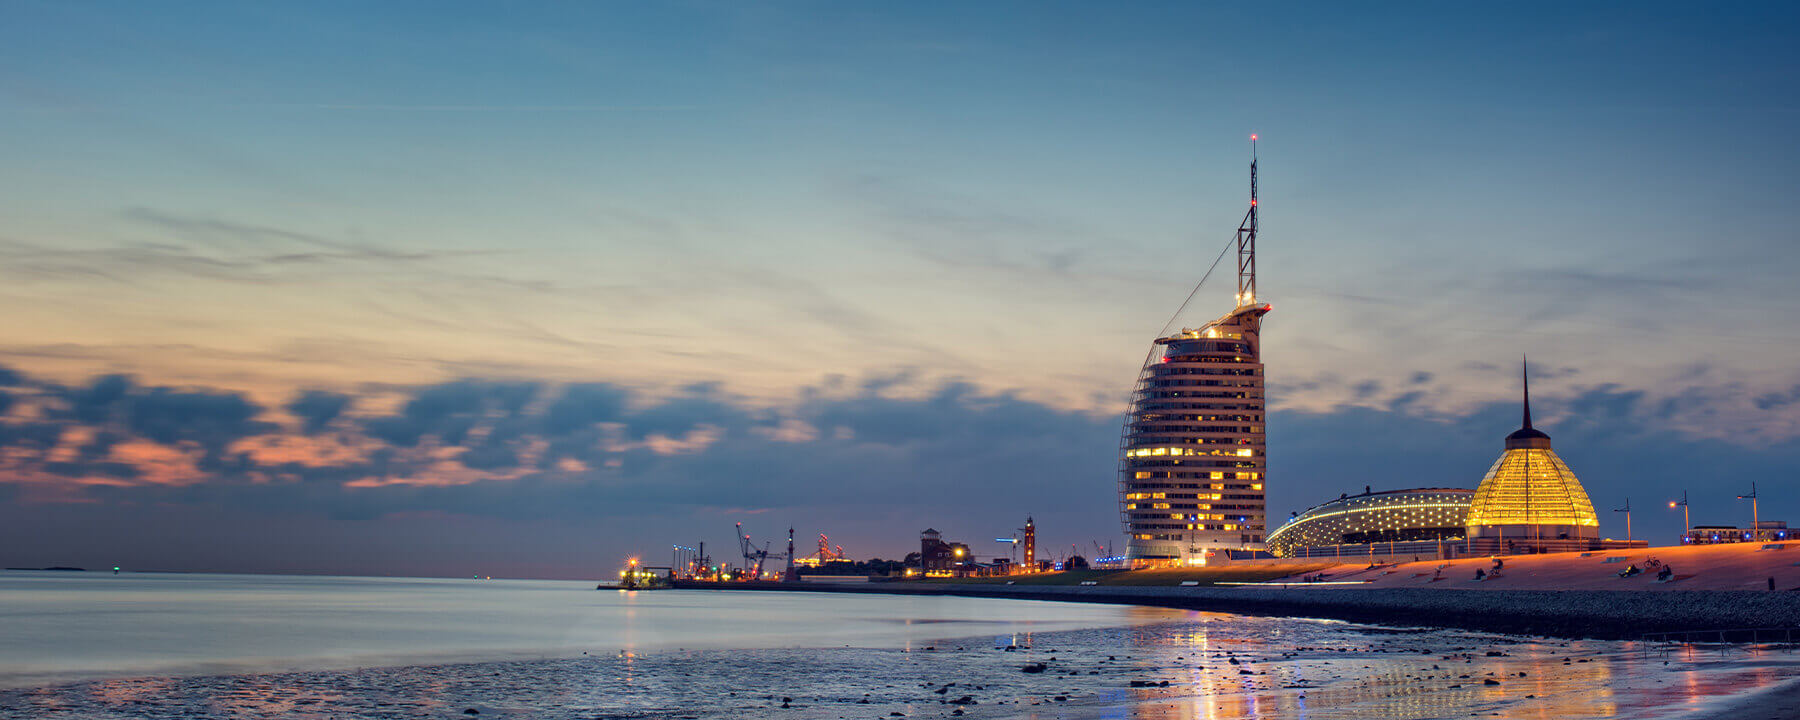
(1608, 614)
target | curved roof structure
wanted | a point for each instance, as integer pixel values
(1401, 515)
(1531, 487)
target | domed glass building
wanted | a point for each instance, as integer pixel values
(1530, 495)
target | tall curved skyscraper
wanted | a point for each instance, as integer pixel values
(1192, 454)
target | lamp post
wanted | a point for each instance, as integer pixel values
(1627, 511)
(1755, 516)
(1686, 525)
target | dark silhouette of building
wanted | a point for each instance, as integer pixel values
(939, 557)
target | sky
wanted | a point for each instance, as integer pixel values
(445, 288)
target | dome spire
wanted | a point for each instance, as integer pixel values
(1525, 382)
(1526, 436)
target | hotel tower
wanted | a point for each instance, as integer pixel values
(1191, 466)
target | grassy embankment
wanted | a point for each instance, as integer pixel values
(1142, 578)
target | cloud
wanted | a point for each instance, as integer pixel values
(584, 405)
(265, 241)
(450, 411)
(870, 458)
(98, 402)
(211, 420)
(1778, 400)
(317, 408)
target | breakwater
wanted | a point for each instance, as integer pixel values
(1606, 614)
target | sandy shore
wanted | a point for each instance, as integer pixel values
(1781, 702)
(1210, 666)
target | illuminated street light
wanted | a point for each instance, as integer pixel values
(1755, 515)
(1686, 526)
(1627, 511)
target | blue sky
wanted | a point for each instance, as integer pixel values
(734, 223)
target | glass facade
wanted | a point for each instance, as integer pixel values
(1529, 494)
(1384, 517)
(1531, 486)
(1191, 470)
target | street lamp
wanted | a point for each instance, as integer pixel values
(1755, 516)
(1627, 511)
(1686, 526)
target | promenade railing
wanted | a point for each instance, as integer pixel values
(1721, 640)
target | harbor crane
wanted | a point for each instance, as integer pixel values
(1013, 550)
(754, 557)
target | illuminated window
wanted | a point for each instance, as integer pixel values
(1531, 486)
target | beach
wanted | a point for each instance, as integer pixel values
(1211, 666)
(204, 647)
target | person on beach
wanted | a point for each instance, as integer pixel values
(1665, 573)
(1480, 574)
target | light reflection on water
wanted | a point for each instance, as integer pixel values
(56, 627)
(867, 656)
(1327, 670)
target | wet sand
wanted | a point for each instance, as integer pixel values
(1781, 702)
(1208, 666)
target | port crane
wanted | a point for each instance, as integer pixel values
(754, 557)
(1012, 549)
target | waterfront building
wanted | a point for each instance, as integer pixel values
(938, 558)
(1191, 469)
(1765, 531)
(1529, 498)
(1419, 519)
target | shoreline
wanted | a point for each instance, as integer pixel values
(1595, 614)
(1250, 668)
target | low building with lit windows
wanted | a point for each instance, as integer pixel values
(938, 558)
(1351, 524)
(1765, 531)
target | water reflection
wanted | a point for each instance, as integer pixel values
(1203, 666)
(1221, 667)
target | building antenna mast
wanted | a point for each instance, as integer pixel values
(1246, 241)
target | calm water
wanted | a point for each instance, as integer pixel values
(219, 646)
(66, 625)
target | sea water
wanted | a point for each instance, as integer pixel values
(232, 646)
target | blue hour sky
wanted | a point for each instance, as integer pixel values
(444, 288)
